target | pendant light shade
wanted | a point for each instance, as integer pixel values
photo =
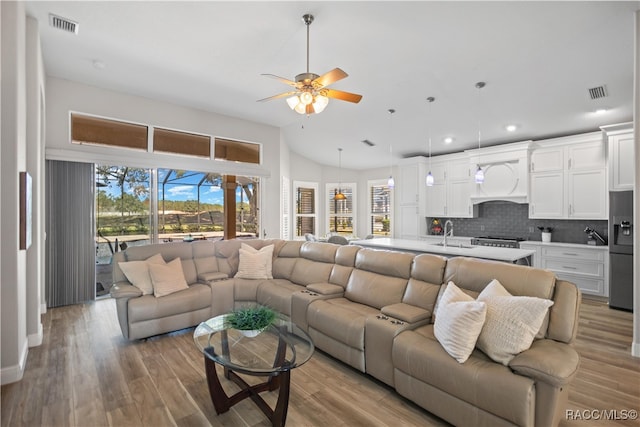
(429, 180)
(339, 195)
(391, 183)
(479, 175)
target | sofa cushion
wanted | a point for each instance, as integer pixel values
(375, 290)
(340, 319)
(511, 324)
(307, 271)
(254, 263)
(167, 278)
(459, 322)
(479, 381)
(147, 307)
(389, 263)
(137, 272)
(276, 294)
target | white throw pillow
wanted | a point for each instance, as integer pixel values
(255, 264)
(459, 322)
(137, 272)
(168, 278)
(511, 324)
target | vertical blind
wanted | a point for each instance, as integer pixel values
(70, 243)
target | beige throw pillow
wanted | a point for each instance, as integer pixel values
(137, 272)
(458, 322)
(511, 324)
(255, 264)
(168, 278)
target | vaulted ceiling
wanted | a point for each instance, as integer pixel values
(538, 59)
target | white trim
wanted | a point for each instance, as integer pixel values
(635, 349)
(34, 340)
(12, 374)
(295, 215)
(43, 308)
(378, 182)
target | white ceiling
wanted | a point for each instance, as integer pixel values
(538, 59)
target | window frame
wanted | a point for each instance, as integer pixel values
(296, 215)
(329, 193)
(371, 214)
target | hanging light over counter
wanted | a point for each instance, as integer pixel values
(429, 180)
(479, 175)
(391, 183)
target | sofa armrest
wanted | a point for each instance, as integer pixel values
(213, 276)
(549, 361)
(326, 289)
(124, 290)
(406, 312)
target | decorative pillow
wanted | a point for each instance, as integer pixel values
(255, 264)
(137, 272)
(168, 278)
(511, 323)
(459, 322)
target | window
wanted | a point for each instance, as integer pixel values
(285, 209)
(172, 141)
(306, 208)
(96, 130)
(380, 204)
(341, 213)
(237, 151)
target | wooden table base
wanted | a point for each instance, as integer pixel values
(223, 403)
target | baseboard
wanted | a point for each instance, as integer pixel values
(35, 340)
(635, 349)
(43, 308)
(12, 374)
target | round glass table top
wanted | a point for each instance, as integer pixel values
(259, 354)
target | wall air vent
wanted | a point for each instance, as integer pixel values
(63, 24)
(598, 92)
(367, 142)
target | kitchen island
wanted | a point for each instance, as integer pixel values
(520, 256)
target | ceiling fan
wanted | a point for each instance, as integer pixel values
(311, 94)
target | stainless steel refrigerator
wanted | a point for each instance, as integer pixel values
(621, 250)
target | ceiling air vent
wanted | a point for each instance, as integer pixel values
(367, 142)
(63, 24)
(598, 92)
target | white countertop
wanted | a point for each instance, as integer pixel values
(566, 245)
(486, 252)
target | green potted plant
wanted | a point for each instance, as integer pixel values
(546, 233)
(250, 321)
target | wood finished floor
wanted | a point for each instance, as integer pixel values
(86, 374)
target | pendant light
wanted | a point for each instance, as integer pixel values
(429, 180)
(339, 195)
(391, 182)
(479, 176)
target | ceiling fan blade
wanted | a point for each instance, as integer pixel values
(282, 95)
(282, 80)
(343, 96)
(330, 77)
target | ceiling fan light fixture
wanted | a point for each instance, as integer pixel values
(293, 101)
(306, 98)
(319, 103)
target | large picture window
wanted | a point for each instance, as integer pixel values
(341, 215)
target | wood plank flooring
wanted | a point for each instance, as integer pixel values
(86, 374)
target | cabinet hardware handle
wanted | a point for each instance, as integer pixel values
(569, 254)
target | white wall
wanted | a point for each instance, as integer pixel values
(635, 347)
(13, 157)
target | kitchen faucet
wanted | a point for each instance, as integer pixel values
(447, 233)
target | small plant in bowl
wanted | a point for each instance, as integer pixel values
(253, 320)
(546, 229)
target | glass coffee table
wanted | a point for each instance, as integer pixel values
(272, 353)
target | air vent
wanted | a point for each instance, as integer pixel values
(598, 92)
(367, 142)
(63, 24)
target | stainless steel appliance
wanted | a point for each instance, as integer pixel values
(621, 250)
(497, 241)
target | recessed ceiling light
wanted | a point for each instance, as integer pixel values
(511, 128)
(448, 140)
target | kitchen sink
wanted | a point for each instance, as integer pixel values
(454, 245)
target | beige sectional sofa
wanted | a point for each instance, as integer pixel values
(374, 310)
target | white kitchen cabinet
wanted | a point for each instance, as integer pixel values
(621, 143)
(568, 178)
(449, 197)
(586, 266)
(410, 193)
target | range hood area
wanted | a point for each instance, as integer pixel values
(506, 173)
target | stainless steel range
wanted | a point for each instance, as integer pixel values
(497, 241)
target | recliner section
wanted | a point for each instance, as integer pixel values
(374, 311)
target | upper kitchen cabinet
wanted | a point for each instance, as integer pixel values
(450, 194)
(410, 193)
(568, 178)
(620, 141)
(506, 172)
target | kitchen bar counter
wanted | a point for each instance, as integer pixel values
(418, 246)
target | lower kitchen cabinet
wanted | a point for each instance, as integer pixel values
(585, 265)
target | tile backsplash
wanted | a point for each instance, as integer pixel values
(512, 220)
